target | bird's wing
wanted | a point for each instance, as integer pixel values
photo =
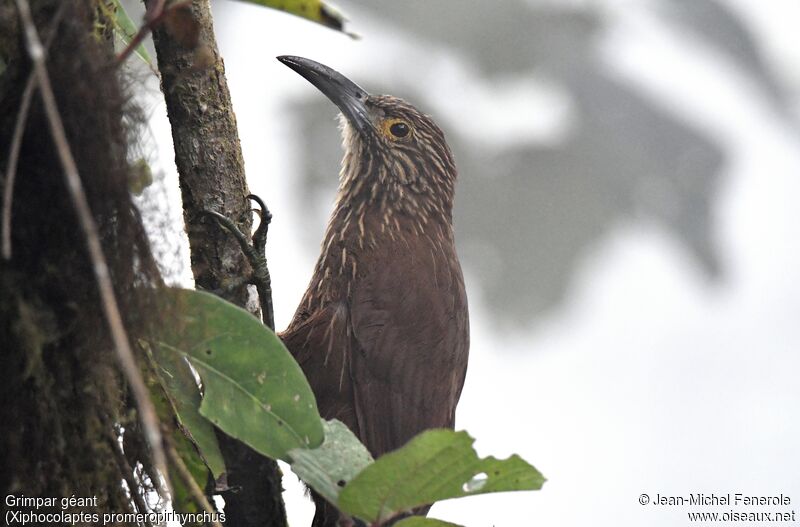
(321, 344)
(407, 364)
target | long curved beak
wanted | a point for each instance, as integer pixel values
(344, 93)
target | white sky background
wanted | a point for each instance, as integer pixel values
(647, 378)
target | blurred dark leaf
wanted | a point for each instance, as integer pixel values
(720, 26)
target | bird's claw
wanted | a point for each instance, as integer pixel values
(254, 250)
(264, 218)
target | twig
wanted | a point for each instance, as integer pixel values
(155, 15)
(16, 143)
(157, 9)
(147, 412)
(191, 484)
(13, 157)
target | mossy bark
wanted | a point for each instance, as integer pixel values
(62, 398)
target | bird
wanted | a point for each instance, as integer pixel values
(382, 331)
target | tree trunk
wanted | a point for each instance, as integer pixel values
(211, 176)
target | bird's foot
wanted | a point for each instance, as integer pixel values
(254, 250)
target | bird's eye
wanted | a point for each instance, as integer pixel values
(399, 129)
(396, 129)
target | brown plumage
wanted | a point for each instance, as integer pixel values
(382, 331)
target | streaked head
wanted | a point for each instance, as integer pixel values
(385, 135)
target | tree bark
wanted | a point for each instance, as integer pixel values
(211, 175)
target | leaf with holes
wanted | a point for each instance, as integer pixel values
(328, 468)
(315, 10)
(252, 387)
(435, 465)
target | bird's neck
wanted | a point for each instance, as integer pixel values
(360, 230)
(392, 190)
(365, 224)
(380, 208)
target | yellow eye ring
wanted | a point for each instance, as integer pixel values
(396, 129)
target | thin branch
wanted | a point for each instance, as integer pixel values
(13, 157)
(16, 144)
(147, 412)
(157, 9)
(191, 484)
(154, 16)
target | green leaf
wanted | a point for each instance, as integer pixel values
(184, 395)
(253, 388)
(125, 29)
(435, 465)
(315, 10)
(331, 466)
(182, 499)
(419, 521)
